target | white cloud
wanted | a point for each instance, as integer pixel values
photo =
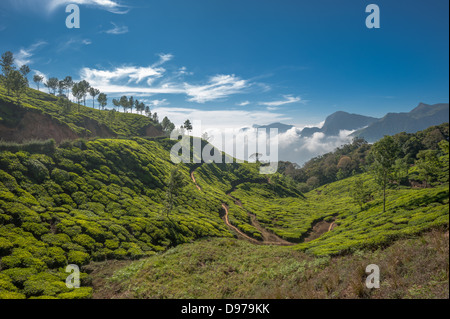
(73, 43)
(117, 29)
(245, 103)
(24, 55)
(219, 119)
(297, 149)
(163, 58)
(288, 99)
(158, 103)
(129, 79)
(218, 87)
(49, 6)
(106, 78)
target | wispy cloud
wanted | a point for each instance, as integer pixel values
(73, 44)
(130, 79)
(24, 56)
(163, 58)
(288, 99)
(158, 103)
(219, 119)
(245, 103)
(218, 87)
(49, 6)
(125, 74)
(116, 30)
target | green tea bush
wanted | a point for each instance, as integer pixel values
(78, 258)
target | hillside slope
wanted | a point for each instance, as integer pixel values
(412, 268)
(40, 116)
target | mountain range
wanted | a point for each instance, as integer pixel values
(372, 129)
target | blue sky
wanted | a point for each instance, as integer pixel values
(241, 62)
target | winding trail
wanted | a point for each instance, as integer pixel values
(268, 237)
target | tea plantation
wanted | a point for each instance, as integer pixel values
(88, 201)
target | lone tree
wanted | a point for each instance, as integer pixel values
(188, 125)
(38, 80)
(69, 84)
(25, 70)
(384, 154)
(116, 103)
(16, 83)
(52, 85)
(102, 100)
(131, 103)
(7, 64)
(174, 186)
(61, 88)
(84, 89)
(94, 92)
(155, 117)
(78, 94)
(124, 103)
(167, 125)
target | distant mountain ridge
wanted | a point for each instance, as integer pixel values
(420, 118)
(372, 129)
(339, 121)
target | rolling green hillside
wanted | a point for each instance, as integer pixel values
(229, 269)
(103, 199)
(44, 116)
(85, 201)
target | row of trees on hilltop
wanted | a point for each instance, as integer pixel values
(16, 82)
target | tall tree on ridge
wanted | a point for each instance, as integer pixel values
(84, 87)
(124, 103)
(116, 103)
(38, 79)
(61, 88)
(102, 100)
(131, 103)
(384, 154)
(69, 85)
(52, 85)
(94, 92)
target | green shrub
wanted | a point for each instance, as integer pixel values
(36, 229)
(37, 170)
(78, 258)
(56, 239)
(79, 293)
(44, 284)
(5, 247)
(11, 295)
(60, 176)
(19, 275)
(111, 244)
(85, 241)
(55, 257)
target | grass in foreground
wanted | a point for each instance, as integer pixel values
(229, 269)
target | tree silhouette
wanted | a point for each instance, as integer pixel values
(38, 79)
(52, 85)
(384, 154)
(102, 100)
(94, 92)
(174, 185)
(188, 125)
